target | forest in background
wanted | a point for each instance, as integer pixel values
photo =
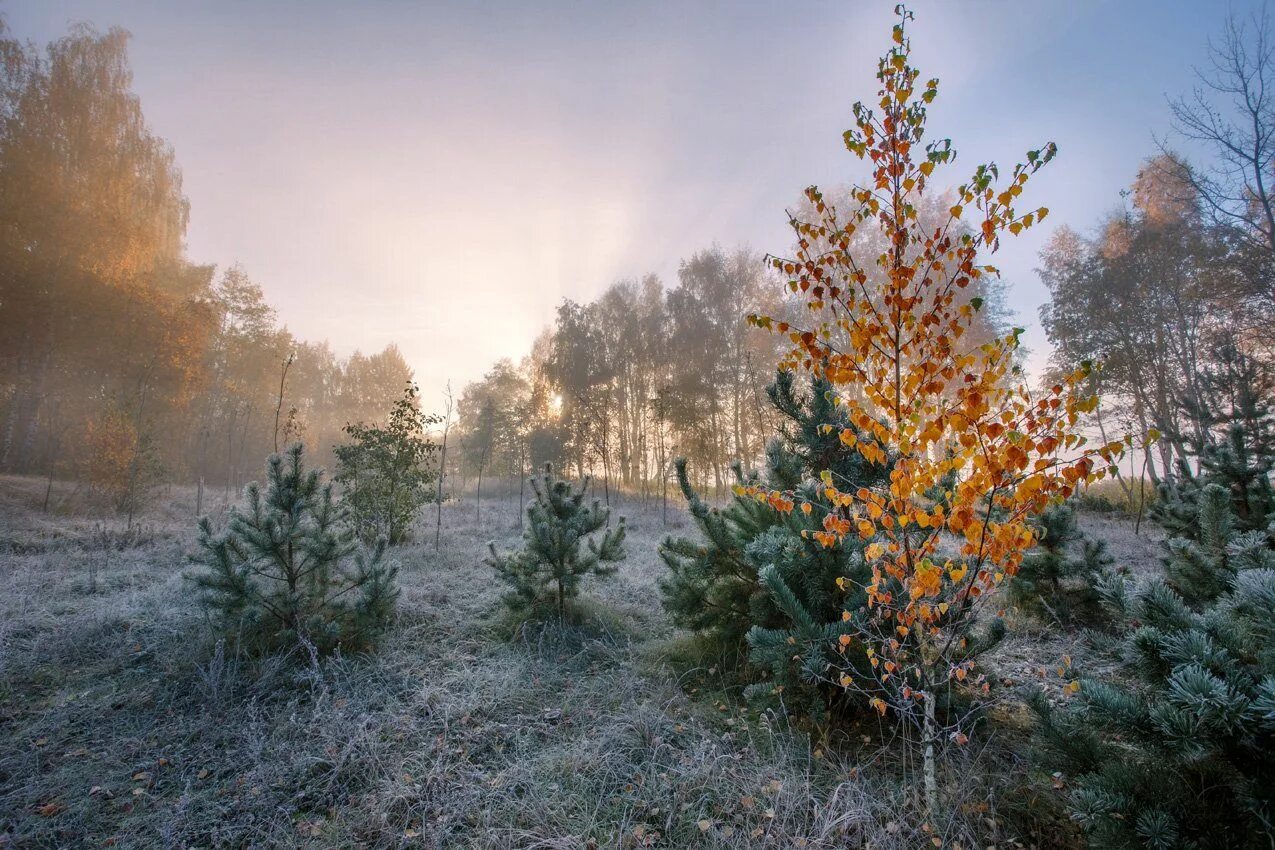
(124, 363)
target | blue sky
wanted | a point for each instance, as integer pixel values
(441, 175)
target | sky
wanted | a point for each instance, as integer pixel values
(442, 174)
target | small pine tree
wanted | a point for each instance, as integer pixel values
(759, 577)
(1052, 581)
(1233, 440)
(288, 568)
(387, 471)
(551, 562)
(1181, 752)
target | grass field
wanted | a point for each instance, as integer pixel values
(124, 723)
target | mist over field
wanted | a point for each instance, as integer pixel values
(637, 425)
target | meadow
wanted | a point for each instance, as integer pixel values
(126, 723)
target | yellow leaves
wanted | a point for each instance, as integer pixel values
(879, 705)
(892, 333)
(927, 581)
(872, 452)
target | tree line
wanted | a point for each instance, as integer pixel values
(1174, 291)
(622, 386)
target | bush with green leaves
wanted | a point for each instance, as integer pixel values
(288, 569)
(387, 472)
(1179, 751)
(560, 546)
(1053, 581)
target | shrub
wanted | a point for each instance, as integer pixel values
(1052, 582)
(387, 472)
(288, 568)
(1235, 448)
(122, 462)
(558, 547)
(758, 577)
(1181, 751)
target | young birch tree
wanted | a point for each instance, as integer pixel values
(889, 332)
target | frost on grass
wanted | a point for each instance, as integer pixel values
(123, 717)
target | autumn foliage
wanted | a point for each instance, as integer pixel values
(888, 331)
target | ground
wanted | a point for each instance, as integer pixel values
(124, 722)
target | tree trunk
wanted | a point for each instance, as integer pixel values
(930, 767)
(442, 473)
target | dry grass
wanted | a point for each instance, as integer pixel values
(124, 723)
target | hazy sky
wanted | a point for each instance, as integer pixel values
(441, 175)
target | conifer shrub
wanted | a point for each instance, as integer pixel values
(757, 579)
(561, 545)
(1054, 582)
(1234, 443)
(1179, 750)
(289, 570)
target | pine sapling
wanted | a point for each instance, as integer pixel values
(288, 568)
(559, 546)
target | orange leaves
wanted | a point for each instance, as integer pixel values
(970, 450)
(927, 580)
(872, 452)
(826, 539)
